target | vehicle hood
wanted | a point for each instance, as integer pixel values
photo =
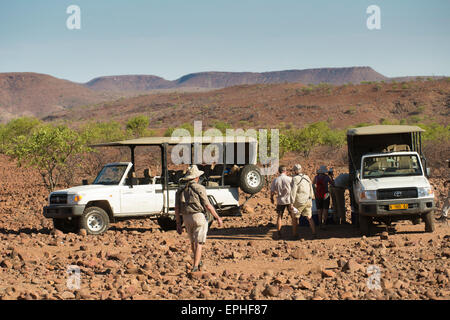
(87, 188)
(395, 182)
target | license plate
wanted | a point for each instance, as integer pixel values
(399, 206)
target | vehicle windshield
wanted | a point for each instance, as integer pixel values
(111, 175)
(391, 166)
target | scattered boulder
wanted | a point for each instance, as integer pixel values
(271, 291)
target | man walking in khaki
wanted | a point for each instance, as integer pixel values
(281, 186)
(302, 195)
(192, 202)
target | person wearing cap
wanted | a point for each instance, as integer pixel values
(320, 183)
(302, 194)
(281, 187)
(192, 202)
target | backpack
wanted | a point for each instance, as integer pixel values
(304, 189)
(321, 187)
(188, 196)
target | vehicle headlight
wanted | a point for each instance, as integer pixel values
(425, 192)
(76, 198)
(369, 195)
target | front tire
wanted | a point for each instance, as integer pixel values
(250, 179)
(95, 220)
(429, 221)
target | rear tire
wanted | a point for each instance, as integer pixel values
(66, 225)
(428, 218)
(250, 179)
(95, 220)
(364, 225)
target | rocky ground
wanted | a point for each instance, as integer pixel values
(136, 260)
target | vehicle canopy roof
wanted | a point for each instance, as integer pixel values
(383, 129)
(155, 141)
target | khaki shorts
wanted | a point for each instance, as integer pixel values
(196, 227)
(304, 210)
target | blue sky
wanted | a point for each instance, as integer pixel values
(170, 38)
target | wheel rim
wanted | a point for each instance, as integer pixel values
(95, 222)
(253, 179)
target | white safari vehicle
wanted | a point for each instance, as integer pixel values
(389, 176)
(119, 192)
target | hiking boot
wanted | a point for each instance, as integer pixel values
(200, 265)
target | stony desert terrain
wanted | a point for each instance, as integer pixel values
(243, 260)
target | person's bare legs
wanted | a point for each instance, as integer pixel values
(279, 222)
(197, 254)
(325, 216)
(294, 226)
(312, 225)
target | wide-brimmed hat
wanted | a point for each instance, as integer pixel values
(193, 173)
(297, 168)
(322, 169)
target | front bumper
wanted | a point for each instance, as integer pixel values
(63, 211)
(380, 208)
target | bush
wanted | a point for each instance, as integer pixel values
(137, 126)
(222, 126)
(103, 132)
(14, 129)
(48, 149)
(187, 126)
(306, 139)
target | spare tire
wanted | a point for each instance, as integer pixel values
(250, 179)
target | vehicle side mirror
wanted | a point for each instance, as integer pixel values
(428, 172)
(358, 175)
(85, 182)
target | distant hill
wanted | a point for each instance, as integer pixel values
(129, 83)
(34, 94)
(335, 76)
(40, 95)
(281, 105)
(218, 80)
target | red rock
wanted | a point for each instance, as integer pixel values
(270, 291)
(328, 273)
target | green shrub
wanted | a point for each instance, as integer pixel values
(222, 126)
(306, 139)
(103, 132)
(14, 129)
(187, 126)
(48, 149)
(137, 126)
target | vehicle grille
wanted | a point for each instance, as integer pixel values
(58, 199)
(400, 193)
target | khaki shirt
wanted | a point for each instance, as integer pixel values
(301, 196)
(281, 186)
(192, 199)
